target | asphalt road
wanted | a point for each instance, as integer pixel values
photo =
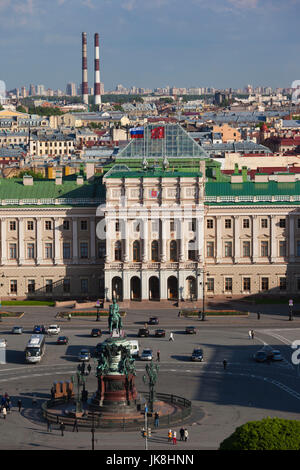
(222, 399)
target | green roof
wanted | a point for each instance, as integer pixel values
(249, 188)
(154, 174)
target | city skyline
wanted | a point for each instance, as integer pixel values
(220, 44)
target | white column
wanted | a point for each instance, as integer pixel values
(57, 247)
(255, 249)
(164, 223)
(291, 245)
(110, 239)
(3, 242)
(127, 255)
(273, 254)
(93, 240)
(144, 285)
(75, 240)
(200, 238)
(39, 241)
(183, 241)
(21, 250)
(145, 241)
(237, 242)
(126, 285)
(219, 232)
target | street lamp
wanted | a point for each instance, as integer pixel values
(203, 292)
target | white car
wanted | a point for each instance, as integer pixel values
(147, 355)
(53, 330)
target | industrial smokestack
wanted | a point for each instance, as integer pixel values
(85, 86)
(97, 91)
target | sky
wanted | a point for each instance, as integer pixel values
(151, 43)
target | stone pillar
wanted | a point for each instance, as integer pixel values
(200, 238)
(3, 242)
(39, 241)
(93, 239)
(110, 241)
(57, 247)
(291, 244)
(127, 254)
(144, 285)
(273, 254)
(255, 250)
(219, 232)
(21, 254)
(145, 241)
(237, 242)
(164, 239)
(75, 241)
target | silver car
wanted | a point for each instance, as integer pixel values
(147, 355)
(17, 330)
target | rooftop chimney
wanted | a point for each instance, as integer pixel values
(85, 87)
(97, 91)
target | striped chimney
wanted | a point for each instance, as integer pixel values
(97, 91)
(85, 86)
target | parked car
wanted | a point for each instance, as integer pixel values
(197, 355)
(62, 340)
(276, 355)
(39, 329)
(96, 332)
(191, 330)
(84, 355)
(160, 333)
(17, 330)
(147, 355)
(153, 321)
(143, 332)
(263, 355)
(53, 330)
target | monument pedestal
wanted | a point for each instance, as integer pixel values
(115, 393)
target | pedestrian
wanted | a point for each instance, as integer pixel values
(186, 434)
(19, 405)
(174, 438)
(170, 435)
(171, 337)
(4, 412)
(156, 419)
(62, 428)
(252, 334)
(69, 317)
(258, 316)
(75, 425)
(49, 426)
(34, 400)
(181, 432)
(158, 356)
(224, 364)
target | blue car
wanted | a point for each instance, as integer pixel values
(39, 329)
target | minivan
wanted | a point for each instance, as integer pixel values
(134, 348)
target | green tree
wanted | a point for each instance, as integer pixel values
(267, 434)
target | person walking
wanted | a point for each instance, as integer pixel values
(171, 337)
(170, 435)
(19, 405)
(156, 419)
(75, 425)
(62, 428)
(158, 356)
(224, 364)
(4, 412)
(181, 432)
(252, 334)
(49, 426)
(186, 434)
(174, 438)
(258, 315)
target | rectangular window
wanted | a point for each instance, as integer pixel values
(227, 223)
(246, 284)
(31, 286)
(84, 250)
(264, 223)
(117, 226)
(66, 225)
(83, 225)
(264, 249)
(12, 251)
(282, 223)
(228, 284)
(48, 225)
(30, 225)
(66, 286)
(210, 284)
(282, 283)
(210, 223)
(48, 250)
(210, 249)
(228, 249)
(30, 251)
(246, 249)
(282, 248)
(172, 225)
(49, 286)
(13, 286)
(246, 223)
(66, 250)
(192, 225)
(264, 283)
(101, 250)
(84, 286)
(12, 225)
(155, 226)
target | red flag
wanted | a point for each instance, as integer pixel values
(158, 133)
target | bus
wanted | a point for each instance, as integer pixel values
(35, 348)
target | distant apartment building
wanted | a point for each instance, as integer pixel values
(71, 89)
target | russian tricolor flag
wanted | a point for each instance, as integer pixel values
(137, 132)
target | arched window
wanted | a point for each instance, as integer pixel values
(136, 251)
(118, 251)
(173, 251)
(154, 251)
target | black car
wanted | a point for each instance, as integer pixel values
(96, 332)
(191, 330)
(160, 333)
(143, 332)
(153, 321)
(62, 340)
(197, 355)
